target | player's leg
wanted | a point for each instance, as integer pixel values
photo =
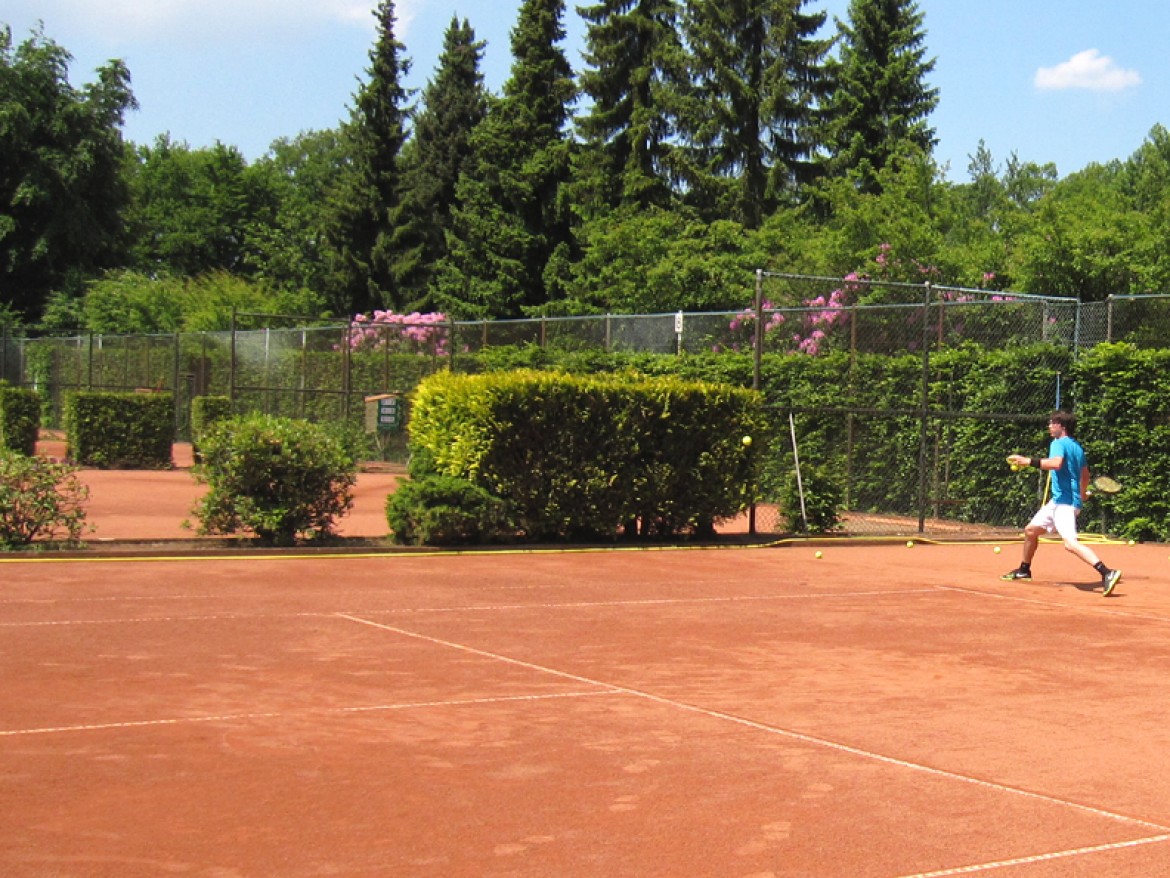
(1040, 524)
(1065, 520)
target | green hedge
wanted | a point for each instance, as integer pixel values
(20, 419)
(120, 430)
(586, 456)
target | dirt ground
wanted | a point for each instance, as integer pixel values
(137, 505)
(877, 712)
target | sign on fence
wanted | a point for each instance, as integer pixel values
(383, 413)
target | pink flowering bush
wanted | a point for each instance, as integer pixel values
(811, 324)
(401, 333)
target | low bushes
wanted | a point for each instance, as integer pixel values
(441, 510)
(278, 478)
(39, 501)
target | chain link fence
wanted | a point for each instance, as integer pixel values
(333, 373)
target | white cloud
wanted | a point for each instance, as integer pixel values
(1087, 70)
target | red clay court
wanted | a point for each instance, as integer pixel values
(882, 711)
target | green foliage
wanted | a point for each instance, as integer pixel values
(582, 457)
(364, 228)
(881, 102)
(818, 509)
(749, 116)
(286, 239)
(278, 478)
(120, 430)
(453, 103)
(1123, 420)
(127, 302)
(634, 55)
(39, 501)
(191, 208)
(206, 413)
(20, 419)
(61, 190)
(511, 224)
(439, 510)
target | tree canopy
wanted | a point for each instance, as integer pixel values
(700, 140)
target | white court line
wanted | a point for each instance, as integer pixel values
(468, 608)
(1083, 608)
(109, 599)
(770, 729)
(1041, 858)
(644, 602)
(229, 717)
(143, 619)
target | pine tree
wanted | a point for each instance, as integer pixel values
(511, 229)
(751, 119)
(365, 230)
(881, 101)
(453, 103)
(634, 60)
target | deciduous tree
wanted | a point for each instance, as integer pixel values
(61, 190)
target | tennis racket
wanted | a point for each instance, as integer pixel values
(1105, 485)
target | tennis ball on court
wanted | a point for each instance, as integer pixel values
(909, 544)
(996, 550)
(819, 554)
(1132, 543)
(746, 440)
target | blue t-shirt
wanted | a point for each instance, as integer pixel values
(1066, 481)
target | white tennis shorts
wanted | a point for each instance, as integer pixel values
(1057, 518)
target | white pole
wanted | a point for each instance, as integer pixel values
(799, 481)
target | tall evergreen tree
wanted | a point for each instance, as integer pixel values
(62, 191)
(453, 103)
(366, 208)
(881, 101)
(634, 61)
(511, 231)
(751, 119)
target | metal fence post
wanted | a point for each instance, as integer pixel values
(924, 410)
(758, 358)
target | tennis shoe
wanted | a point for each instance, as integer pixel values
(1110, 581)
(1017, 574)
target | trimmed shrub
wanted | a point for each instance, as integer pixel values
(440, 510)
(20, 419)
(277, 478)
(39, 500)
(583, 457)
(120, 430)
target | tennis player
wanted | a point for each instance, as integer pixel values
(1068, 480)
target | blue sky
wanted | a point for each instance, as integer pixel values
(1064, 81)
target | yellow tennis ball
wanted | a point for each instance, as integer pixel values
(996, 550)
(746, 440)
(909, 544)
(1016, 467)
(819, 554)
(1132, 543)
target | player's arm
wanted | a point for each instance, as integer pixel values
(1045, 463)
